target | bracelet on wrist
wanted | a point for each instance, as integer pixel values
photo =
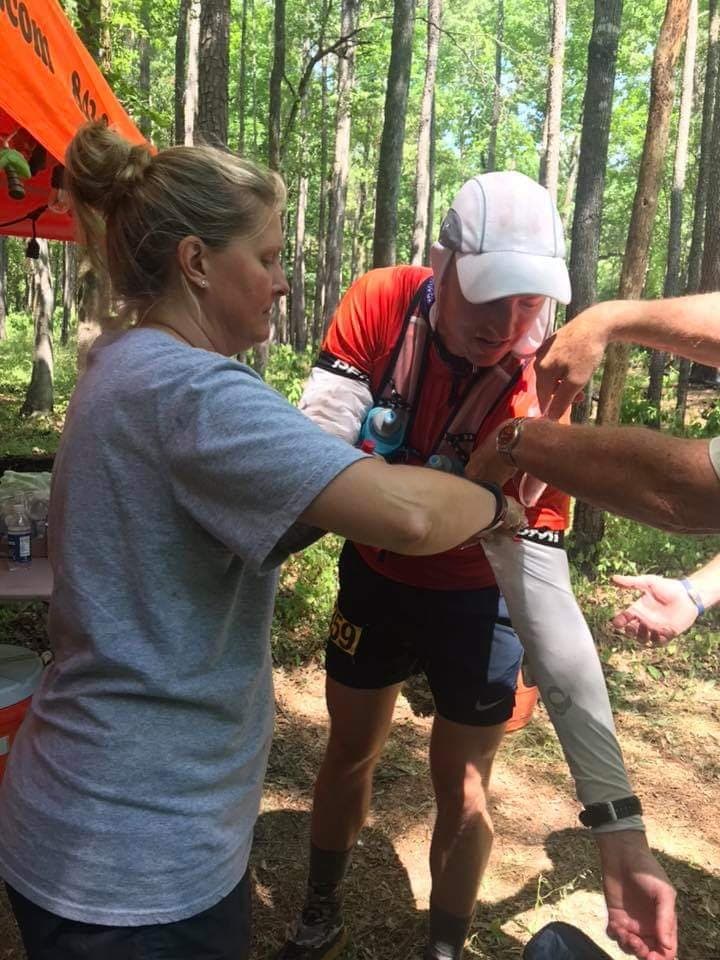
(501, 506)
(694, 594)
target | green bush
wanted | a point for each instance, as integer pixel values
(287, 370)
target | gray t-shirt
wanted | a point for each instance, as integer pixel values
(134, 783)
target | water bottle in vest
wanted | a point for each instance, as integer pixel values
(441, 461)
(386, 427)
(19, 532)
(562, 941)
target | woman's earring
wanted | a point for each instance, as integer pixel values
(203, 283)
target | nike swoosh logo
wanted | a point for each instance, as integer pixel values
(488, 706)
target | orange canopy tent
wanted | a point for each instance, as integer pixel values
(49, 86)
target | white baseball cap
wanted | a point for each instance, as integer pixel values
(507, 237)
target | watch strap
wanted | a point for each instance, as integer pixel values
(597, 814)
(506, 447)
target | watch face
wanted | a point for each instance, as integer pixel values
(507, 434)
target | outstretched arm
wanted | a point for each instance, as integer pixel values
(535, 582)
(667, 607)
(688, 326)
(663, 481)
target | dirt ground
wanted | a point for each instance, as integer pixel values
(543, 867)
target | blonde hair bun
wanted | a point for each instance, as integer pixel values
(102, 167)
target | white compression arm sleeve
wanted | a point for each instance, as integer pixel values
(337, 404)
(535, 581)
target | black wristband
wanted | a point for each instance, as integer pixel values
(597, 814)
(500, 504)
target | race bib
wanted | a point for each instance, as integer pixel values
(344, 634)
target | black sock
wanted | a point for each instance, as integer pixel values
(447, 935)
(327, 872)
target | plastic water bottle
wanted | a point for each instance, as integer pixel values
(562, 941)
(19, 533)
(441, 461)
(386, 427)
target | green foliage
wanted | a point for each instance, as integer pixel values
(288, 370)
(20, 436)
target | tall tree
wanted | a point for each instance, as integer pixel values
(632, 277)
(341, 162)
(497, 87)
(695, 257)
(145, 50)
(68, 273)
(550, 165)
(422, 169)
(181, 40)
(319, 297)
(212, 117)
(393, 134)
(242, 77)
(276, 78)
(93, 286)
(39, 396)
(587, 217)
(658, 359)
(192, 81)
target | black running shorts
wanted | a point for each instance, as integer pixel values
(383, 631)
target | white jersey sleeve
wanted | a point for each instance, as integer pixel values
(535, 581)
(335, 403)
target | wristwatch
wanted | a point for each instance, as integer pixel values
(597, 814)
(508, 438)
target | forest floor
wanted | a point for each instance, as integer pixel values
(543, 866)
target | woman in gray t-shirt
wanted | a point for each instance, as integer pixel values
(129, 801)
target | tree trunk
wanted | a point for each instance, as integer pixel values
(571, 185)
(632, 277)
(93, 287)
(431, 177)
(588, 522)
(550, 166)
(393, 134)
(341, 163)
(276, 77)
(144, 87)
(658, 358)
(712, 61)
(193, 73)
(497, 88)
(69, 270)
(3, 284)
(392, 141)
(694, 269)
(213, 71)
(39, 396)
(298, 321)
(422, 171)
(710, 274)
(242, 77)
(320, 275)
(181, 41)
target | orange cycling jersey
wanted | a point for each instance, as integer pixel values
(359, 344)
